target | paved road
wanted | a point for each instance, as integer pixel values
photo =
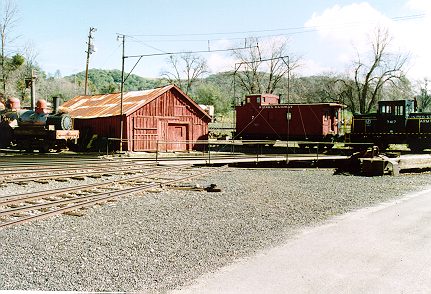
(384, 249)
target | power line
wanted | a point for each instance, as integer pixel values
(283, 33)
(145, 44)
(397, 18)
(187, 52)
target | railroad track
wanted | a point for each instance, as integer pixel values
(22, 208)
(21, 176)
(5, 171)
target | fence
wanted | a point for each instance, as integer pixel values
(209, 150)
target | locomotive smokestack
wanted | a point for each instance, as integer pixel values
(33, 89)
(55, 104)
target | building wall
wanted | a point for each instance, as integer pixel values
(170, 117)
(92, 131)
(168, 123)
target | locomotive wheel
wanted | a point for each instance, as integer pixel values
(416, 146)
(383, 146)
(43, 149)
(5, 135)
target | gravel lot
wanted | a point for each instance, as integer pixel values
(161, 241)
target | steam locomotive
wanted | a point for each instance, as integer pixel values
(38, 129)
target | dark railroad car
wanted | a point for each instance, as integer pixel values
(395, 122)
(262, 117)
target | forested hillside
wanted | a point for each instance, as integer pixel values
(223, 90)
(109, 81)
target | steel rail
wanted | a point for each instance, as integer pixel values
(108, 196)
(48, 169)
(71, 175)
(59, 164)
(16, 198)
(16, 160)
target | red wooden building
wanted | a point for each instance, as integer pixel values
(262, 117)
(164, 119)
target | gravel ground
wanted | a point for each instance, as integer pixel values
(161, 241)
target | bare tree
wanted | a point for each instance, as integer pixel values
(262, 68)
(371, 77)
(186, 70)
(9, 17)
(424, 97)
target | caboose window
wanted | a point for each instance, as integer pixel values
(248, 99)
(258, 99)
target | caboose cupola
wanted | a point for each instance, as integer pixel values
(262, 99)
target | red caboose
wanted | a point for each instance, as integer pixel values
(262, 117)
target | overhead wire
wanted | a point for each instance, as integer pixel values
(287, 32)
(397, 18)
(186, 52)
(284, 32)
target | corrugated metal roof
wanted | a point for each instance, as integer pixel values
(109, 104)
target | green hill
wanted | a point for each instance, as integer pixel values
(108, 81)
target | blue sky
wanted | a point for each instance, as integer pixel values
(323, 33)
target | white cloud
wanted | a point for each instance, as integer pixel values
(349, 29)
(414, 35)
(309, 67)
(218, 62)
(420, 5)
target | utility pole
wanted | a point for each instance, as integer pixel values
(90, 50)
(2, 60)
(123, 37)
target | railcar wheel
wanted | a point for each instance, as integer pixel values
(383, 146)
(43, 149)
(5, 136)
(416, 146)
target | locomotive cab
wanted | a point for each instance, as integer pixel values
(392, 116)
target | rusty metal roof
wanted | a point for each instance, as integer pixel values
(106, 105)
